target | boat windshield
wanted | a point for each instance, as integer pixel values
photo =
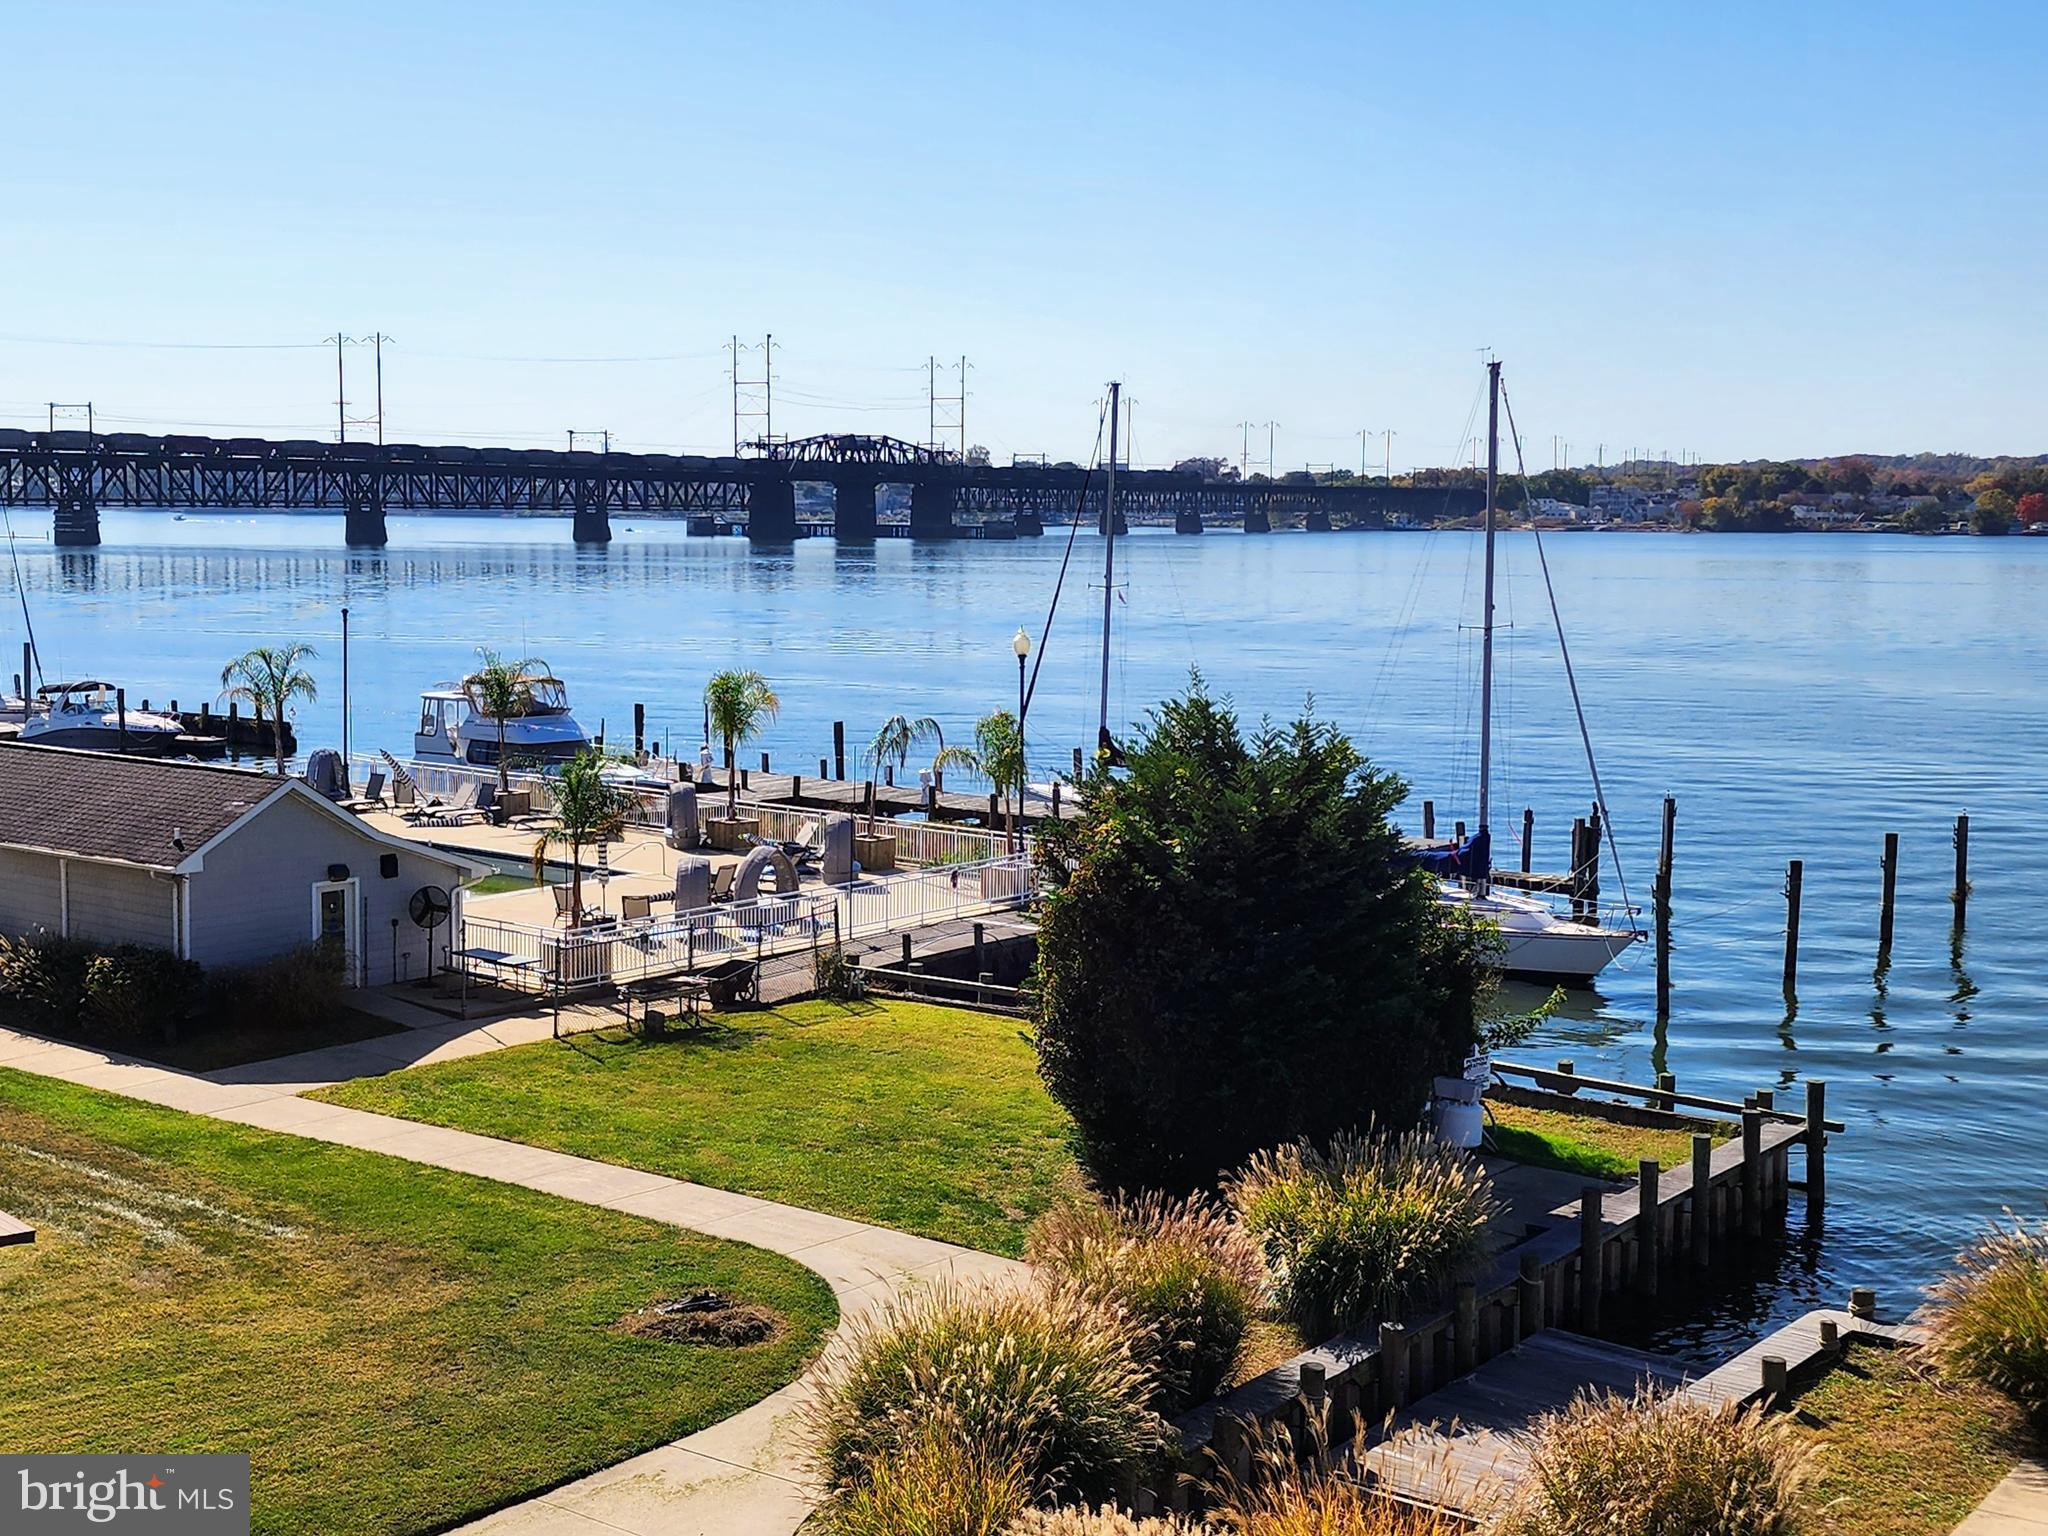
(540, 696)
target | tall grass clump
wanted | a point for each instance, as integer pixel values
(1287, 1494)
(1077, 1520)
(1043, 1374)
(935, 1480)
(1987, 1316)
(1353, 1231)
(1655, 1464)
(1182, 1272)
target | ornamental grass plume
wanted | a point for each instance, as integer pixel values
(1074, 1520)
(1656, 1464)
(1046, 1375)
(1182, 1271)
(1987, 1316)
(936, 1480)
(1287, 1493)
(1356, 1231)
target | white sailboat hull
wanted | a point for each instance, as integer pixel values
(1539, 943)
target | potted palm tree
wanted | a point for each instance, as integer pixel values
(587, 810)
(503, 690)
(998, 756)
(269, 677)
(891, 746)
(740, 705)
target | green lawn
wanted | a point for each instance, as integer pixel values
(495, 885)
(1587, 1144)
(928, 1119)
(398, 1348)
(1900, 1454)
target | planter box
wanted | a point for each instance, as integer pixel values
(730, 836)
(874, 854)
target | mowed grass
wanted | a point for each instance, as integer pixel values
(926, 1119)
(397, 1348)
(1901, 1454)
(1587, 1144)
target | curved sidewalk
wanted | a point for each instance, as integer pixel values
(740, 1477)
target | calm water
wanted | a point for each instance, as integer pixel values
(1800, 697)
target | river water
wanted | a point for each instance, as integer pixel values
(1801, 696)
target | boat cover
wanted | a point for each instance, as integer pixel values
(1460, 860)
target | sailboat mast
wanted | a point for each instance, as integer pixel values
(1486, 629)
(1108, 566)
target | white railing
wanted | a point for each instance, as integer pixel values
(561, 959)
(917, 842)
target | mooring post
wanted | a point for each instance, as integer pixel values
(979, 930)
(824, 768)
(764, 762)
(796, 789)
(1863, 1303)
(1776, 1378)
(1055, 800)
(1752, 1171)
(1961, 894)
(906, 951)
(1795, 873)
(1649, 1240)
(639, 729)
(838, 749)
(1591, 1258)
(1077, 763)
(1816, 1147)
(1465, 1325)
(1830, 1335)
(1393, 1366)
(1578, 870)
(1702, 1199)
(1660, 898)
(1564, 1069)
(1528, 836)
(1667, 1084)
(1891, 886)
(1529, 1297)
(1429, 820)
(121, 719)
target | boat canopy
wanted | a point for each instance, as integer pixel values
(1461, 861)
(51, 690)
(545, 695)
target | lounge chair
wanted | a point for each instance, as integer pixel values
(404, 795)
(721, 882)
(635, 909)
(468, 803)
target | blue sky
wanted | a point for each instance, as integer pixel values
(1734, 230)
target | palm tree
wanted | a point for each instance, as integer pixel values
(502, 688)
(269, 676)
(997, 755)
(893, 742)
(587, 810)
(740, 705)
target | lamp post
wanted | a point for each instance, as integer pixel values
(1020, 643)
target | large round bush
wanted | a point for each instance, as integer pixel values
(1987, 1317)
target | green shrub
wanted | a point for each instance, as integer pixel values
(1987, 1317)
(836, 978)
(1045, 1375)
(1656, 1464)
(301, 989)
(1182, 1271)
(1356, 1231)
(937, 1480)
(1234, 951)
(117, 994)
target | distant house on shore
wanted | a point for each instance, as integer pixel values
(219, 865)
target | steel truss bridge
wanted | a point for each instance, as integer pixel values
(76, 473)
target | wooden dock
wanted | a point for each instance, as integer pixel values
(13, 1230)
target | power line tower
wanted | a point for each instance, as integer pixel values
(1244, 450)
(340, 389)
(945, 414)
(753, 400)
(377, 340)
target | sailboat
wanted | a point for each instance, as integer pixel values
(1538, 942)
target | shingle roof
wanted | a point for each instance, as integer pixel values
(97, 805)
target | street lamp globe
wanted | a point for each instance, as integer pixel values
(1021, 644)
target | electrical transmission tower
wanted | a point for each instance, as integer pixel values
(753, 400)
(945, 414)
(342, 420)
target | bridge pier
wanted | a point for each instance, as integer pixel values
(1029, 524)
(1317, 520)
(853, 510)
(77, 524)
(592, 523)
(931, 511)
(1256, 521)
(771, 512)
(363, 521)
(1188, 520)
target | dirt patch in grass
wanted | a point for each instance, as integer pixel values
(1586, 1144)
(1900, 1452)
(706, 1317)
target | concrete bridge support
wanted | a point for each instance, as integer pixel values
(1029, 525)
(77, 522)
(853, 510)
(1317, 520)
(1256, 521)
(363, 521)
(771, 512)
(931, 512)
(1187, 520)
(593, 524)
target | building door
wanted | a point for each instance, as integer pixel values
(336, 924)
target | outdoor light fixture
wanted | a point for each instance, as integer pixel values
(1021, 644)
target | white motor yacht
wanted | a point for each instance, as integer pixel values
(455, 727)
(87, 714)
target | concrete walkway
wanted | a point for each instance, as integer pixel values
(2016, 1507)
(738, 1478)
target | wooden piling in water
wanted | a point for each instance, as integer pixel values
(121, 719)
(1578, 875)
(1891, 887)
(1795, 874)
(1077, 763)
(1667, 1084)
(1702, 1203)
(1961, 894)
(1816, 1147)
(1752, 1172)
(1592, 1256)
(1528, 836)
(1649, 1240)
(1660, 901)
(1429, 820)
(839, 749)
(639, 729)
(1459, 830)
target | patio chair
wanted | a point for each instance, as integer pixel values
(453, 813)
(721, 882)
(404, 797)
(635, 909)
(373, 790)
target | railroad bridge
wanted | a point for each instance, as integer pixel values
(76, 473)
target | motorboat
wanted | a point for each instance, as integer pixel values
(90, 715)
(456, 727)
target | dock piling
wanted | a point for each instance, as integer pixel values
(1863, 1303)
(764, 762)
(1660, 900)
(121, 719)
(1702, 1203)
(1961, 895)
(1777, 1378)
(1529, 1298)
(1649, 1240)
(1816, 1147)
(1592, 1261)
(1429, 821)
(639, 729)
(1795, 874)
(1667, 1084)
(838, 749)
(1465, 1340)
(1528, 836)
(1752, 1171)
(1891, 887)
(1077, 764)
(1459, 830)
(1393, 1366)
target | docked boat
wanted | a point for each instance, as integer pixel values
(89, 715)
(1538, 941)
(456, 727)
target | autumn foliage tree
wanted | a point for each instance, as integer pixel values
(2032, 509)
